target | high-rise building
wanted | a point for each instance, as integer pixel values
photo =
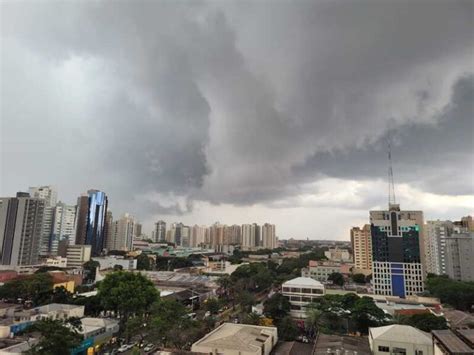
(49, 195)
(361, 241)
(109, 220)
(185, 236)
(91, 212)
(64, 226)
(436, 233)
(248, 237)
(268, 236)
(198, 235)
(138, 230)
(397, 250)
(160, 232)
(123, 232)
(460, 256)
(21, 221)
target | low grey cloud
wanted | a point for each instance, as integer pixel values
(234, 102)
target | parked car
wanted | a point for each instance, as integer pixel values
(124, 348)
(149, 347)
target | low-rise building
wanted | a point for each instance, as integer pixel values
(77, 255)
(399, 339)
(300, 292)
(238, 339)
(320, 270)
(57, 261)
(96, 331)
(338, 254)
(20, 319)
(108, 262)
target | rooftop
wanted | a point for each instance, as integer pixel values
(451, 342)
(303, 281)
(330, 344)
(239, 337)
(396, 331)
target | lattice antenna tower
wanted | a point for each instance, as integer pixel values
(391, 184)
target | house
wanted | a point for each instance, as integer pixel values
(399, 339)
(238, 339)
(301, 292)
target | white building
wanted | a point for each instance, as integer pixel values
(108, 262)
(301, 292)
(268, 236)
(338, 254)
(57, 261)
(49, 195)
(238, 339)
(436, 233)
(399, 340)
(77, 255)
(64, 226)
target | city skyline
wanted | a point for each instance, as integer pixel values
(242, 113)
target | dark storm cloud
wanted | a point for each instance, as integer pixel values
(425, 155)
(238, 102)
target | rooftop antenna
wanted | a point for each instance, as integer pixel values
(391, 184)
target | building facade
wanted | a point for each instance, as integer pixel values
(122, 233)
(21, 222)
(92, 210)
(77, 255)
(64, 226)
(399, 340)
(397, 252)
(269, 236)
(160, 232)
(300, 292)
(460, 256)
(436, 233)
(361, 241)
(49, 195)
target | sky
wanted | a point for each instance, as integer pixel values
(241, 111)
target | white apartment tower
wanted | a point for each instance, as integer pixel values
(64, 226)
(268, 236)
(49, 195)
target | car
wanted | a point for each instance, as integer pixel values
(123, 348)
(207, 314)
(149, 347)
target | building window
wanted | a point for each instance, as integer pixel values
(384, 349)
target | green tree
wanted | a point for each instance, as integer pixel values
(56, 337)
(358, 278)
(426, 322)
(212, 305)
(90, 269)
(287, 329)
(336, 278)
(251, 318)
(127, 294)
(143, 262)
(36, 288)
(366, 314)
(276, 307)
(458, 294)
(245, 299)
(118, 267)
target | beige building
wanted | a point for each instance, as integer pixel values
(268, 236)
(77, 255)
(238, 339)
(399, 340)
(122, 234)
(361, 241)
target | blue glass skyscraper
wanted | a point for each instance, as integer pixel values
(91, 219)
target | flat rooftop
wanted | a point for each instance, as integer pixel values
(239, 337)
(329, 344)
